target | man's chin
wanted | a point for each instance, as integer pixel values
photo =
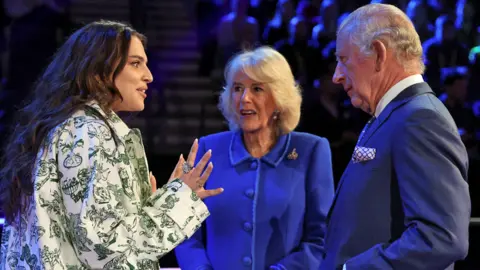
(359, 104)
(356, 102)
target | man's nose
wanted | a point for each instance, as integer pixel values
(338, 76)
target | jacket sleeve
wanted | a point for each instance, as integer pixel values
(320, 193)
(105, 233)
(431, 164)
(191, 254)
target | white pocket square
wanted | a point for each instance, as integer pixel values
(361, 154)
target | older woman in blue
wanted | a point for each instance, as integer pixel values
(278, 184)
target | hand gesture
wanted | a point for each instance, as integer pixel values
(193, 176)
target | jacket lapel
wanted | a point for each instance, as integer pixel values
(130, 146)
(119, 128)
(404, 97)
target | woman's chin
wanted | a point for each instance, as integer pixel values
(131, 107)
(138, 107)
(250, 127)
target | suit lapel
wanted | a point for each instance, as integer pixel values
(405, 96)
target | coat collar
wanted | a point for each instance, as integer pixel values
(113, 120)
(238, 153)
(405, 96)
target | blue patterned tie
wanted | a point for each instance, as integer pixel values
(363, 153)
(367, 126)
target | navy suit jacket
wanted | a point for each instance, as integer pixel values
(273, 210)
(409, 207)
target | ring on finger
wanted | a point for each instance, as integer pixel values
(186, 168)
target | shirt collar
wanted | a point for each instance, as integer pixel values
(112, 119)
(395, 90)
(238, 152)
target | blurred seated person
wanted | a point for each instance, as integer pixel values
(300, 56)
(454, 98)
(279, 182)
(208, 14)
(326, 29)
(443, 50)
(474, 68)
(465, 21)
(236, 31)
(321, 48)
(417, 11)
(455, 81)
(262, 11)
(277, 28)
(307, 11)
(437, 8)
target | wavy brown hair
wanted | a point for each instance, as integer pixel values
(82, 70)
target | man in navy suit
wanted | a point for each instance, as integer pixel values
(403, 201)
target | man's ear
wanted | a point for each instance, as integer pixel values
(380, 53)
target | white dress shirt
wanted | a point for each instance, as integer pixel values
(396, 90)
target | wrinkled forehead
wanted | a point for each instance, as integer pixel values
(343, 43)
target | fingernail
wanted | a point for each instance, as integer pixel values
(209, 151)
(221, 189)
(210, 164)
(181, 156)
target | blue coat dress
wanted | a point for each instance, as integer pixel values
(272, 212)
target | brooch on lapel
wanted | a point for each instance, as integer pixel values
(293, 155)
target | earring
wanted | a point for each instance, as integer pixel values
(276, 113)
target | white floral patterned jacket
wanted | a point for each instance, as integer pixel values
(93, 207)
